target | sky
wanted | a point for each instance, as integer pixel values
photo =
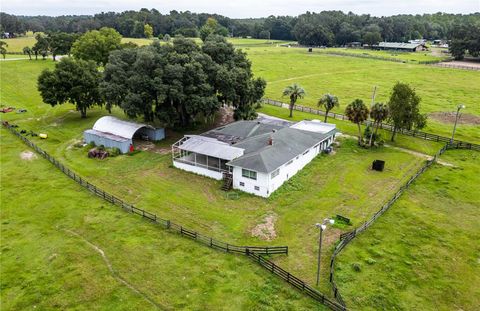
(239, 8)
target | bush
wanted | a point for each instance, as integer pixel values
(356, 267)
(113, 152)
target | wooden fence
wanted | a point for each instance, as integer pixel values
(455, 66)
(385, 126)
(296, 282)
(345, 238)
(206, 240)
(254, 252)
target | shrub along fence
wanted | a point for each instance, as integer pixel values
(385, 126)
(253, 252)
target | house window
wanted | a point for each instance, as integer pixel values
(257, 188)
(275, 173)
(289, 162)
(249, 174)
(242, 184)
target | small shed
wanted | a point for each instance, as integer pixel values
(112, 132)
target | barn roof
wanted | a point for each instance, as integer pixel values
(399, 45)
(117, 127)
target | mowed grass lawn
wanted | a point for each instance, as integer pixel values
(423, 254)
(54, 233)
(441, 89)
(336, 184)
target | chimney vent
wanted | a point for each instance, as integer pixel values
(270, 141)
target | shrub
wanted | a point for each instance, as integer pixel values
(356, 267)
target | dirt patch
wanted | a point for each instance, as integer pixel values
(28, 155)
(266, 230)
(145, 145)
(449, 117)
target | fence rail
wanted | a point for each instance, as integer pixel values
(206, 240)
(345, 238)
(296, 282)
(447, 65)
(385, 126)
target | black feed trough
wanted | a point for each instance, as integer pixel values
(378, 165)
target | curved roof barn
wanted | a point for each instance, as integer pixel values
(118, 127)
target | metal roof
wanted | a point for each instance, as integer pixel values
(210, 147)
(399, 45)
(117, 127)
(314, 126)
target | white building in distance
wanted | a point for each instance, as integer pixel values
(254, 156)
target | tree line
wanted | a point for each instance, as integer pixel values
(177, 83)
(325, 28)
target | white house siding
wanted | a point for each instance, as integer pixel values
(198, 170)
(249, 184)
(268, 185)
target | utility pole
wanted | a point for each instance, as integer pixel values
(461, 106)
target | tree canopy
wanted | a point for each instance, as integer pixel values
(404, 109)
(97, 44)
(72, 81)
(178, 83)
(465, 38)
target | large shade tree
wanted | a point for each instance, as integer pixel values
(294, 92)
(96, 45)
(357, 112)
(179, 83)
(328, 101)
(72, 81)
(404, 109)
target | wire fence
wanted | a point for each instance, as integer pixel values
(167, 224)
(384, 126)
(384, 58)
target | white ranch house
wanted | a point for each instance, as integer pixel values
(253, 156)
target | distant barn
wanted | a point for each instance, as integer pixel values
(400, 46)
(112, 132)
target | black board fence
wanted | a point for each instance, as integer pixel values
(296, 282)
(254, 252)
(345, 238)
(167, 224)
(385, 126)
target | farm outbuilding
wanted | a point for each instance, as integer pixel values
(112, 132)
(400, 46)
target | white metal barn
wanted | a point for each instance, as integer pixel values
(253, 156)
(112, 132)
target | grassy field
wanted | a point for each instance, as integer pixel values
(423, 254)
(349, 78)
(341, 183)
(197, 202)
(53, 232)
(414, 57)
(16, 45)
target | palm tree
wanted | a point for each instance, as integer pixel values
(295, 92)
(328, 102)
(379, 113)
(357, 112)
(28, 50)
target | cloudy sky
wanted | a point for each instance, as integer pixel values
(240, 8)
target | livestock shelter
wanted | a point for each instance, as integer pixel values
(112, 132)
(400, 46)
(255, 156)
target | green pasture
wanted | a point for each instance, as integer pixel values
(414, 57)
(423, 254)
(16, 45)
(148, 180)
(441, 89)
(53, 232)
(340, 183)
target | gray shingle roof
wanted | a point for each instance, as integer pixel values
(287, 143)
(240, 130)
